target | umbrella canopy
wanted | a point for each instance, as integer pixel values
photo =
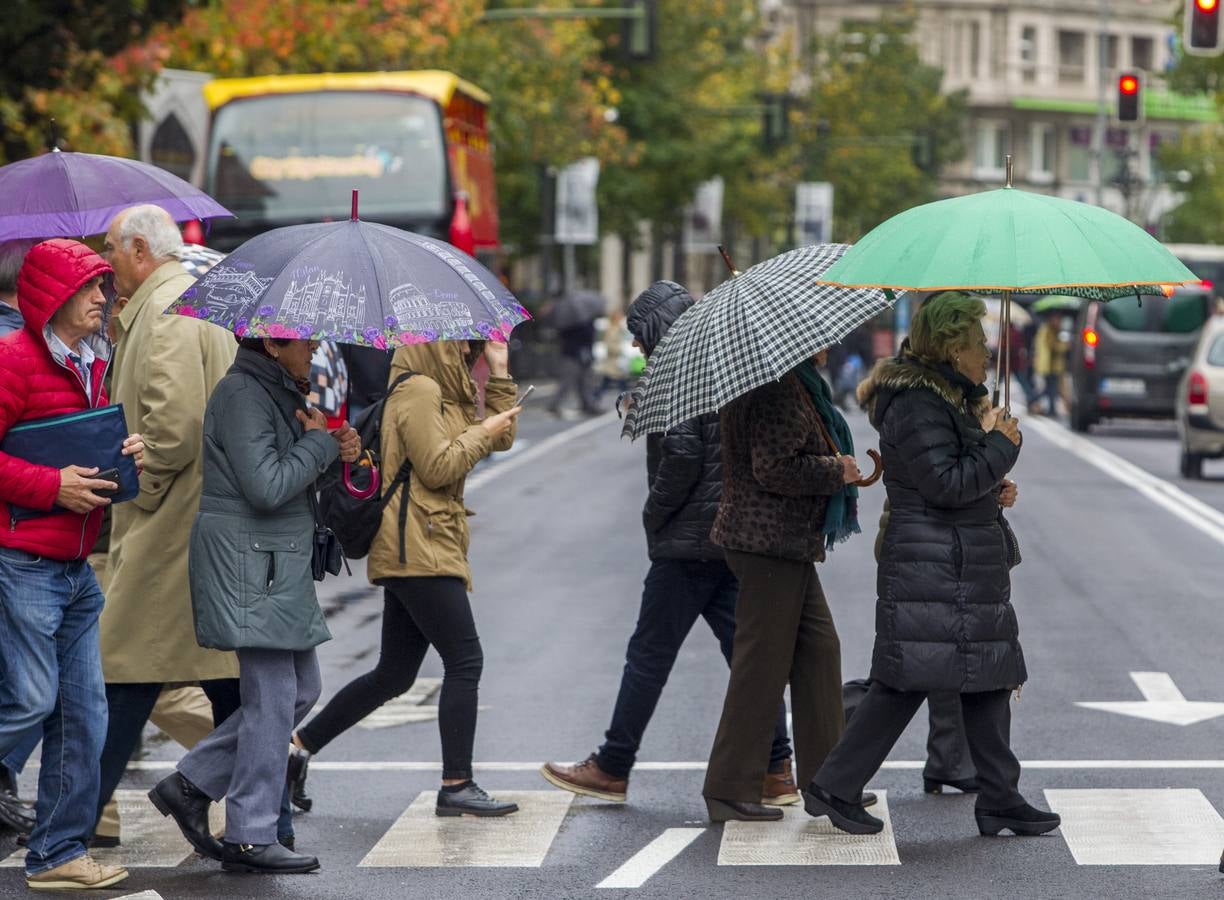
(1009, 240)
(75, 194)
(747, 332)
(352, 282)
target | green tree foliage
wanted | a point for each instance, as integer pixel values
(66, 60)
(877, 125)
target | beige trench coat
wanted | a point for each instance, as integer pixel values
(164, 371)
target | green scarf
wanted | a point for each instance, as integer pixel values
(841, 518)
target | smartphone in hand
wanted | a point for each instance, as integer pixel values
(526, 395)
(111, 475)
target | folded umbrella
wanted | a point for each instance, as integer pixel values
(76, 194)
(747, 332)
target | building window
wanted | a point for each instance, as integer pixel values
(991, 150)
(1043, 152)
(1028, 54)
(1072, 61)
(1143, 53)
(1111, 52)
(975, 48)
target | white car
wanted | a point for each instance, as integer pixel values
(1200, 401)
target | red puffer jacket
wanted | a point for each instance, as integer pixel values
(35, 384)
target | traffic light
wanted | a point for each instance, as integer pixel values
(775, 122)
(639, 30)
(1130, 97)
(1203, 35)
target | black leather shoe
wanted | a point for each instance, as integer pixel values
(104, 842)
(471, 801)
(1023, 820)
(178, 798)
(851, 818)
(15, 814)
(272, 859)
(289, 841)
(868, 799)
(936, 785)
(738, 811)
(299, 764)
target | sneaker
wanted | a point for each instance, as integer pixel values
(78, 874)
(587, 779)
(780, 788)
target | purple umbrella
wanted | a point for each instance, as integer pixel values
(75, 194)
(352, 282)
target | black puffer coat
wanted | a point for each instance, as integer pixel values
(684, 466)
(944, 618)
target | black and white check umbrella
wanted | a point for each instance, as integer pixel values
(747, 332)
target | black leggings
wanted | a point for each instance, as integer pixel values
(417, 612)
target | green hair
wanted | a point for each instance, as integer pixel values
(941, 326)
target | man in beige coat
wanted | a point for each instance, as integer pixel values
(165, 369)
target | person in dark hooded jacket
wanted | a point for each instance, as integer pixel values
(688, 579)
(944, 618)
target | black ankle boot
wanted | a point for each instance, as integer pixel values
(178, 798)
(851, 818)
(299, 765)
(1023, 820)
(471, 800)
(266, 858)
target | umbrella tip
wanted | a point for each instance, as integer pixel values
(354, 215)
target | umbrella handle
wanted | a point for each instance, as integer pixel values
(874, 476)
(362, 493)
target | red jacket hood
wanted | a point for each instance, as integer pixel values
(52, 272)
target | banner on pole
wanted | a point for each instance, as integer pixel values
(813, 212)
(703, 219)
(577, 210)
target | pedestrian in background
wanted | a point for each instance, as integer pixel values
(49, 597)
(786, 500)
(419, 557)
(944, 620)
(688, 579)
(252, 591)
(1050, 362)
(574, 316)
(165, 369)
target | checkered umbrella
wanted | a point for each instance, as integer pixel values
(747, 332)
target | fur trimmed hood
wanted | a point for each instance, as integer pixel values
(906, 372)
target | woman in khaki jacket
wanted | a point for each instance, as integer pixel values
(430, 420)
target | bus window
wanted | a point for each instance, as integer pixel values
(288, 158)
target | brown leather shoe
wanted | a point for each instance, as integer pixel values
(82, 872)
(586, 778)
(780, 788)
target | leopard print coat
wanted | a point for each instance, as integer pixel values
(778, 474)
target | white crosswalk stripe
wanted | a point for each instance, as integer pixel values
(420, 838)
(1162, 827)
(800, 840)
(407, 708)
(149, 840)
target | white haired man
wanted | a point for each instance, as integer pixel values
(165, 369)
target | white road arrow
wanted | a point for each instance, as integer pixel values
(1162, 702)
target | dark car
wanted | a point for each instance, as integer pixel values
(1131, 353)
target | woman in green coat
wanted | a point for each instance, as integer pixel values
(252, 591)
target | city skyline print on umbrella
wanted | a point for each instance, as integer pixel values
(352, 282)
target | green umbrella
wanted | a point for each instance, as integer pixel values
(1057, 303)
(1009, 240)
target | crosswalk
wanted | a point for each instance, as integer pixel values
(1101, 827)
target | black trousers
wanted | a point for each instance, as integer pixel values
(417, 613)
(676, 594)
(948, 756)
(784, 633)
(882, 717)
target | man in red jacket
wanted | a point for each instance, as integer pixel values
(49, 599)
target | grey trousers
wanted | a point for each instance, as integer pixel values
(244, 760)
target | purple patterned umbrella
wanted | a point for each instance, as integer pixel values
(76, 194)
(352, 282)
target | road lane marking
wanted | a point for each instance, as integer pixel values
(406, 708)
(143, 895)
(480, 478)
(1139, 827)
(1162, 702)
(640, 867)
(421, 839)
(1188, 508)
(149, 839)
(800, 840)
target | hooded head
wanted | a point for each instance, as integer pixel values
(52, 272)
(445, 363)
(654, 311)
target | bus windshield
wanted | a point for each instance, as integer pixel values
(283, 158)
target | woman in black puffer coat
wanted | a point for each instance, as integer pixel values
(944, 618)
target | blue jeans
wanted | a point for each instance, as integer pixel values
(676, 594)
(53, 675)
(17, 758)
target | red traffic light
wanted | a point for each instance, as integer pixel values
(1129, 84)
(1207, 5)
